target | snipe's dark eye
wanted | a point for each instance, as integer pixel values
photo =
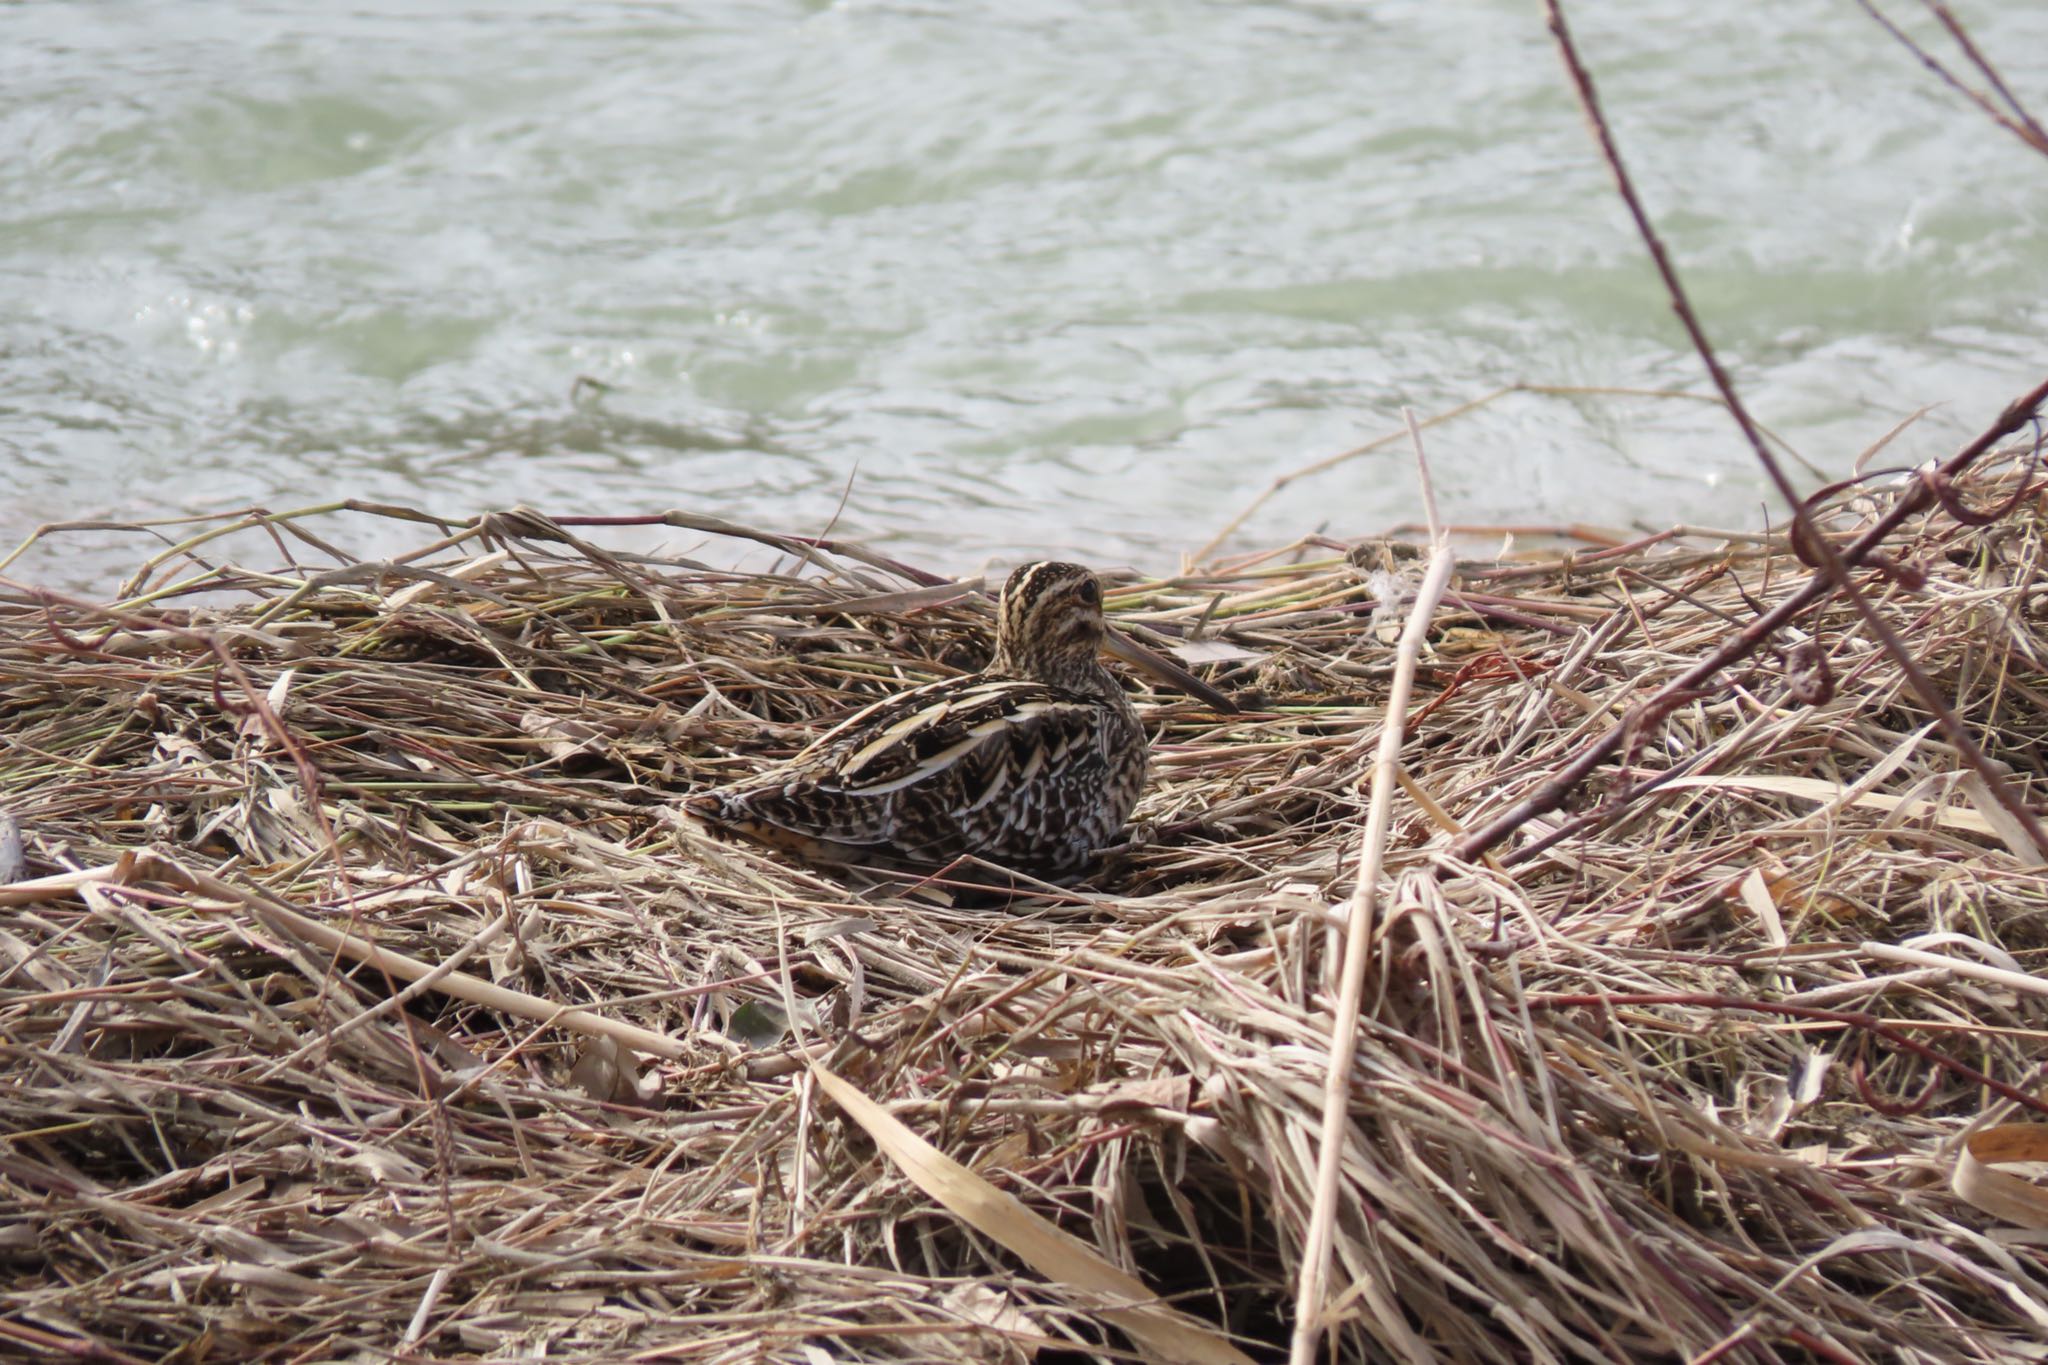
(1089, 593)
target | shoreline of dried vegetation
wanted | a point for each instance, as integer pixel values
(1692, 1083)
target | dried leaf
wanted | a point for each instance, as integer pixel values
(605, 1071)
(975, 1302)
(12, 863)
(1164, 1332)
(2023, 1203)
(1214, 651)
(563, 737)
(758, 1024)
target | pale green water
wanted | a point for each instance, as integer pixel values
(1036, 276)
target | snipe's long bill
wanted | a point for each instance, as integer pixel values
(1032, 764)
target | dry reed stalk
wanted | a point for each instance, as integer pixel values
(1350, 965)
(1693, 1079)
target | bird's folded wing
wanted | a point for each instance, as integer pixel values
(975, 741)
(928, 774)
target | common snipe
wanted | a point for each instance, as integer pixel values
(1032, 763)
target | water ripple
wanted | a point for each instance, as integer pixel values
(1053, 276)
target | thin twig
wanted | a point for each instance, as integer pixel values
(2019, 123)
(1835, 564)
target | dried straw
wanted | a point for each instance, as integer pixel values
(1691, 1083)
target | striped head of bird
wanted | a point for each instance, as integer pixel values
(1049, 628)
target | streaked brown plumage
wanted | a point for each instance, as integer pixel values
(1032, 763)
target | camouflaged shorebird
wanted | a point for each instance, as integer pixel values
(1032, 763)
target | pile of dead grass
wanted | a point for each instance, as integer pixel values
(1657, 1092)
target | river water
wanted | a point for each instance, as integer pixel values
(979, 282)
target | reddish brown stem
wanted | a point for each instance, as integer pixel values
(2020, 123)
(1856, 1019)
(1835, 564)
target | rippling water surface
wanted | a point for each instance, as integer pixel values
(1000, 279)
